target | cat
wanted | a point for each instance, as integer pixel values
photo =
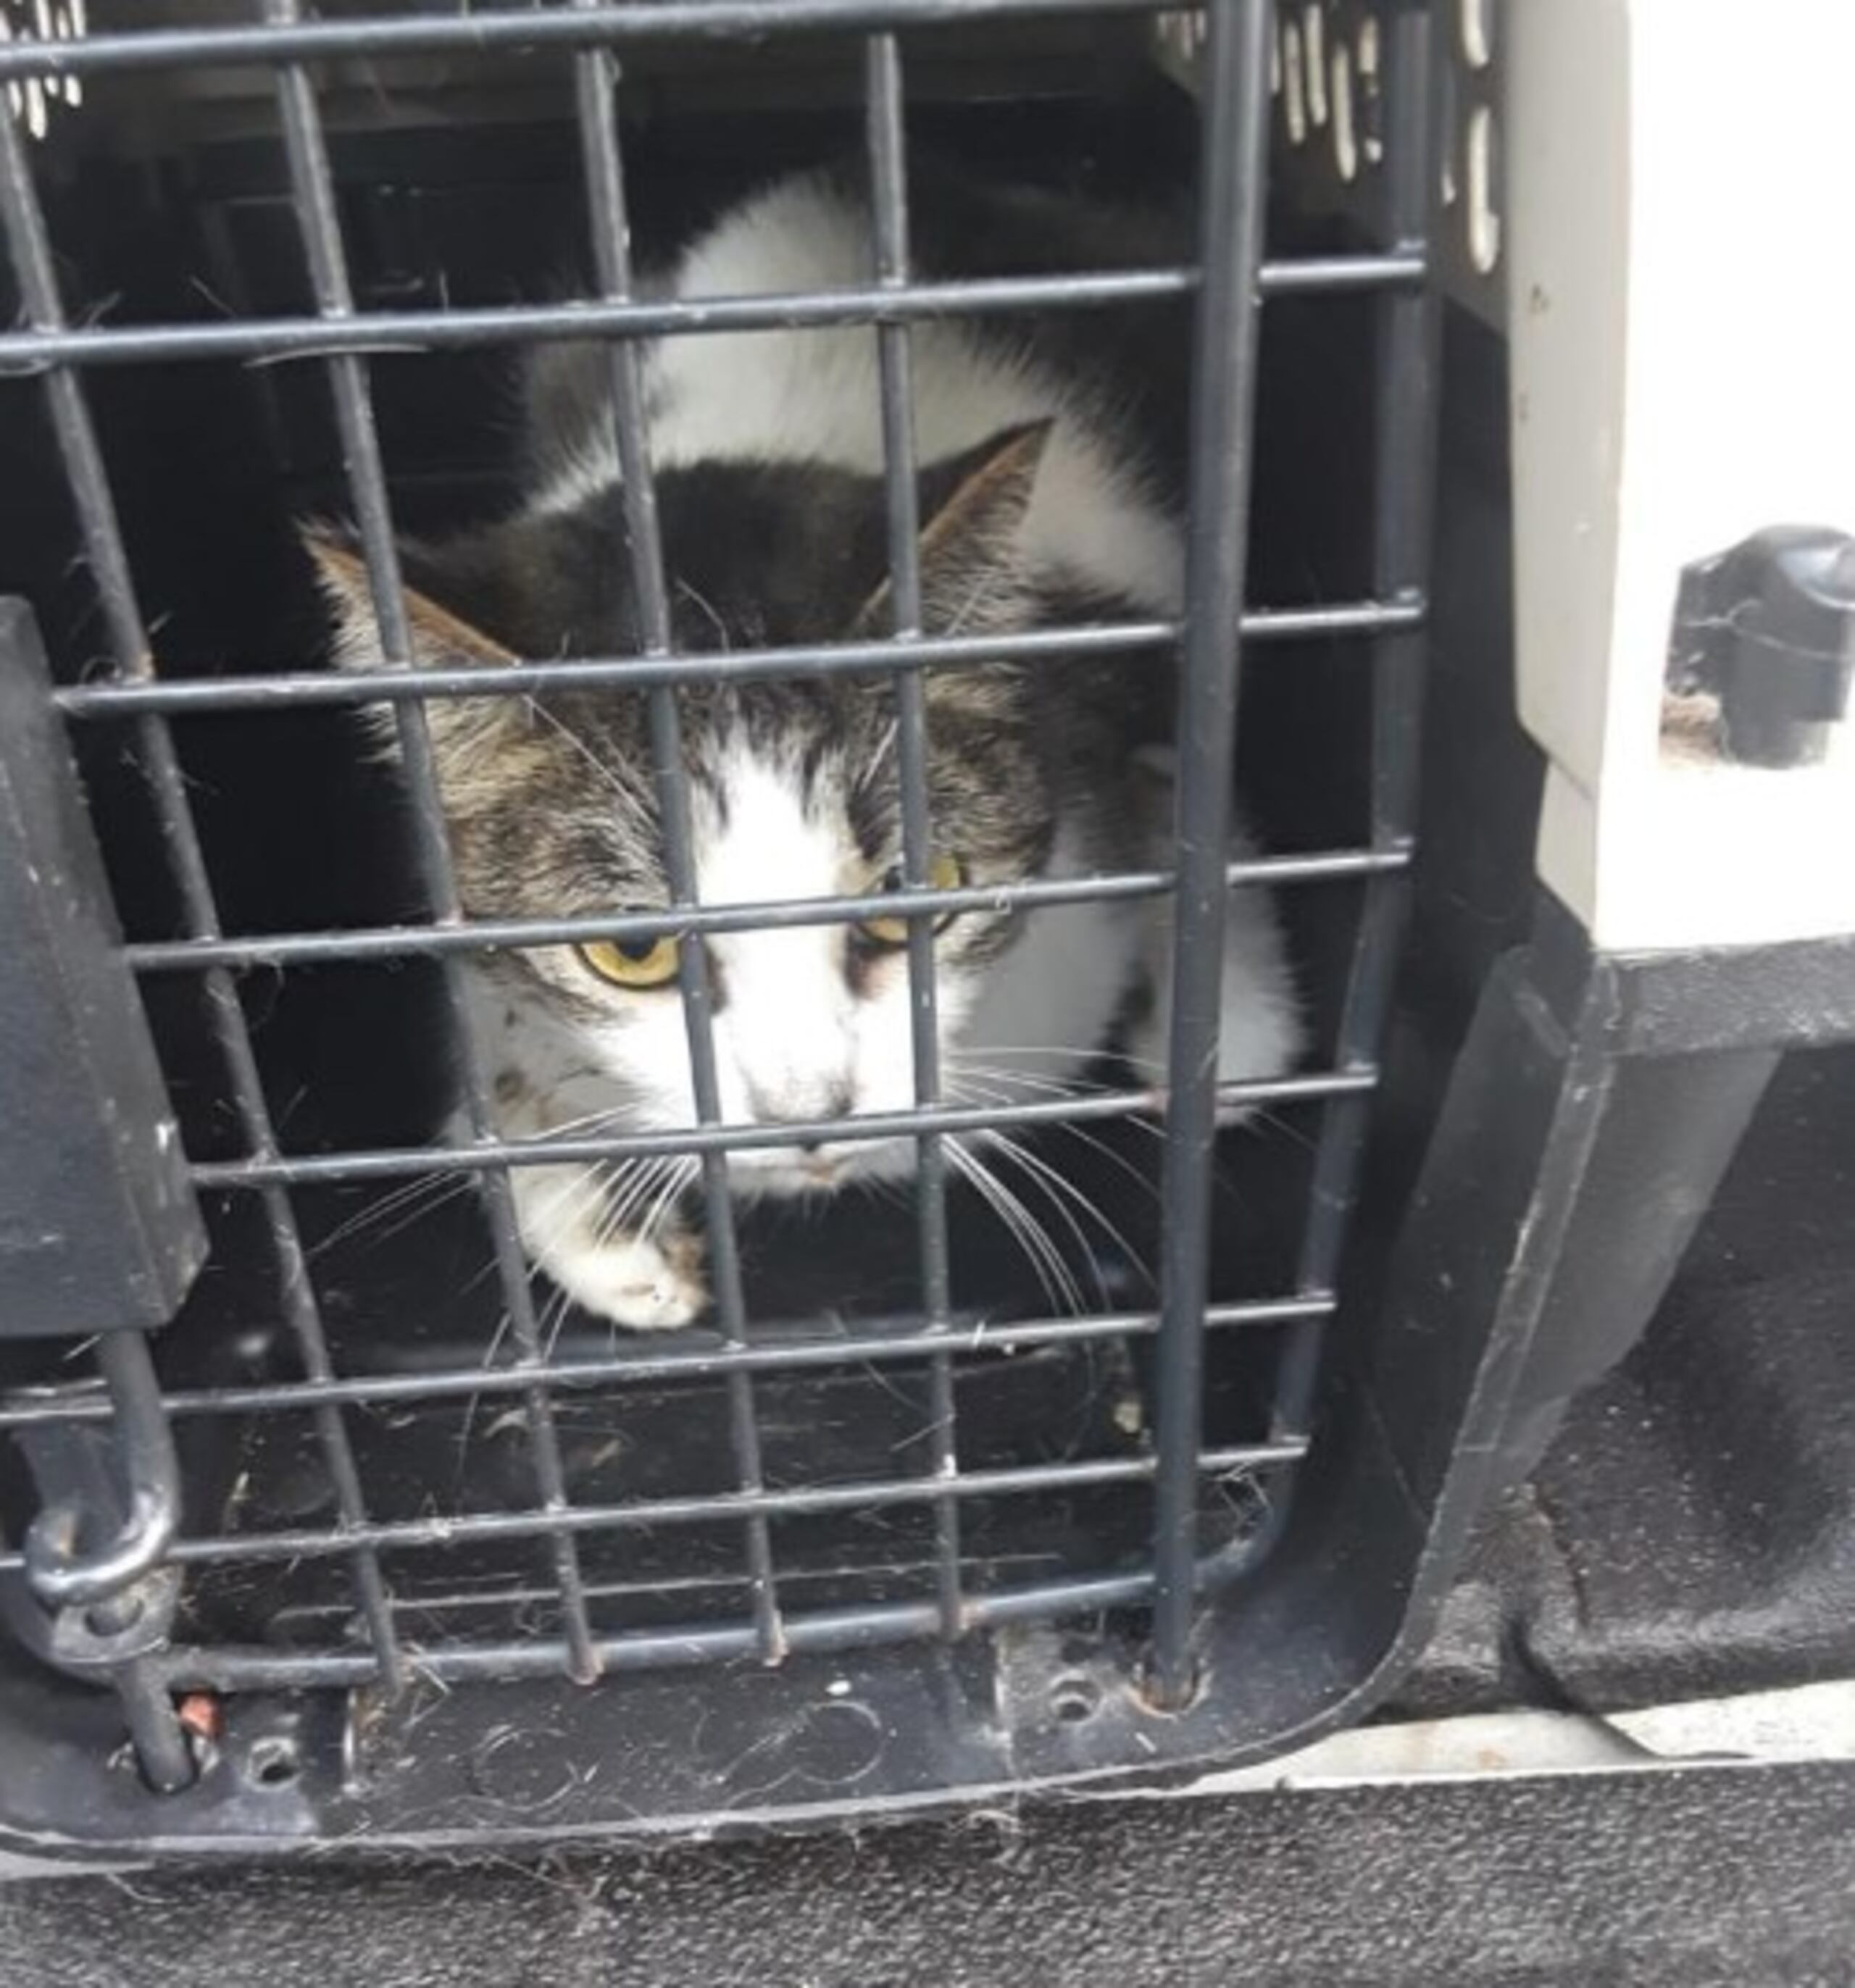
(1045, 500)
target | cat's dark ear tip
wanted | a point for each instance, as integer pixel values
(1022, 447)
(334, 551)
(1001, 473)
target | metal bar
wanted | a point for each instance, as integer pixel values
(684, 1359)
(1403, 481)
(1233, 174)
(468, 327)
(205, 695)
(31, 253)
(379, 942)
(877, 1494)
(812, 1632)
(312, 188)
(388, 1162)
(483, 30)
(162, 1751)
(1343, 275)
(595, 84)
(202, 696)
(886, 145)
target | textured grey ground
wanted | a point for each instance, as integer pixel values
(1740, 1876)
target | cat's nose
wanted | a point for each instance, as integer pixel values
(794, 1103)
(837, 1102)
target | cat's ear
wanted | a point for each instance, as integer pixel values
(438, 635)
(975, 505)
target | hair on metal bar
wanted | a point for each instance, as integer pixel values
(383, 1163)
(1233, 174)
(1403, 481)
(889, 208)
(359, 942)
(819, 1631)
(372, 333)
(309, 1543)
(612, 23)
(380, 332)
(596, 84)
(849, 658)
(784, 1354)
(313, 188)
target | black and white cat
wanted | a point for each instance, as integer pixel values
(1044, 503)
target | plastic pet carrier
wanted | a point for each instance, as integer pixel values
(324, 1517)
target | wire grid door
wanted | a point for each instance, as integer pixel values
(1231, 282)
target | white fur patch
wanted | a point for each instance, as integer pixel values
(1260, 1029)
(789, 1041)
(813, 394)
(1048, 1003)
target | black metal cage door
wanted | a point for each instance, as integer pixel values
(813, 1556)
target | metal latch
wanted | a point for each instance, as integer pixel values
(1768, 629)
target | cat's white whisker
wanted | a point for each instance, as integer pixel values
(1053, 1087)
(553, 1322)
(566, 1207)
(430, 1189)
(470, 1401)
(628, 1192)
(995, 1095)
(1053, 1273)
(448, 1190)
(975, 1171)
(660, 1174)
(1035, 1177)
(1071, 1291)
(633, 805)
(616, 1115)
(594, 1191)
(1056, 1183)
(683, 1169)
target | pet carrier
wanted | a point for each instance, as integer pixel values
(323, 1519)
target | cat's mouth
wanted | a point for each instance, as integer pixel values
(820, 1169)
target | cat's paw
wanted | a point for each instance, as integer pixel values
(647, 1286)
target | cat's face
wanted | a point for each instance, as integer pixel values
(789, 800)
(552, 806)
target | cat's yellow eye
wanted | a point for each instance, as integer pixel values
(633, 962)
(945, 873)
